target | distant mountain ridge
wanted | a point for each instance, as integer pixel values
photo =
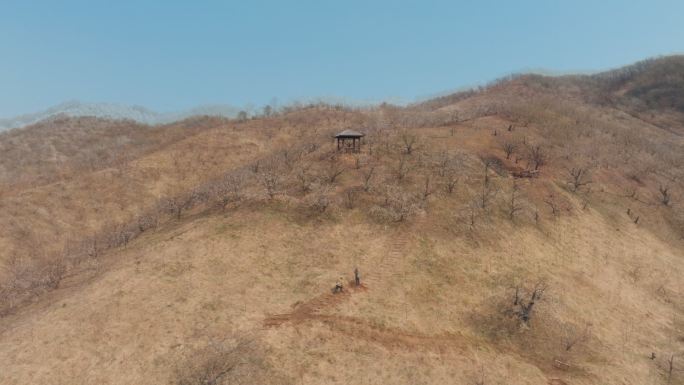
(114, 111)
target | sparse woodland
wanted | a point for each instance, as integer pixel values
(536, 223)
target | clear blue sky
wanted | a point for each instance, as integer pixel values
(170, 55)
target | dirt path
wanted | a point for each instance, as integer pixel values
(356, 327)
(311, 309)
(382, 273)
(392, 338)
(314, 310)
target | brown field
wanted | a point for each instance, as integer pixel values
(204, 252)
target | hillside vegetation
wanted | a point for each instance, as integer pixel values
(528, 232)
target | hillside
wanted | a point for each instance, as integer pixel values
(529, 232)
(110, 111)
(60, 149)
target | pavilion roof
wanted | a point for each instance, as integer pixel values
(349, 134)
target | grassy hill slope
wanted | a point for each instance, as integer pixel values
(527, 233)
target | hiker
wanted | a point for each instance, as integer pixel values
(339, 286)
(357, 278)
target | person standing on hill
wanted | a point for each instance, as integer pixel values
(357, 277)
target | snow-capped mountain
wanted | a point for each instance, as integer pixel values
(114, 111)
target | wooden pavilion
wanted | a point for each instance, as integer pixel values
(349, 141)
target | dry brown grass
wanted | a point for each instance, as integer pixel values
(238, 286)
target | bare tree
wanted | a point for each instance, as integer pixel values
(514, 205)
(578, 177)
(270, 179)
(450, 181)
(473, 209)
(536, 156)
(319, 200)
(350, 197)
(664, 195)
(123, 234)
(402, 169)
(400, 202)
(255, 166)
(487, 193)
(25, 278)
(670, 368)
(448, 167)
(147, 221)
(443, 163)
(550, 201)
(408, 140)
(427, 189)
(304, 177)
(310, 147)
(290, 157)
(488, 163)
(227, 189)
(573, 336)
(367, 177)
(54, 271)
(212, 364)
(334, 170)
(176, 204)
(633, 216)
(508, 148)
(524, 300)
(357, 161)
(235, 184)
(92, 246)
